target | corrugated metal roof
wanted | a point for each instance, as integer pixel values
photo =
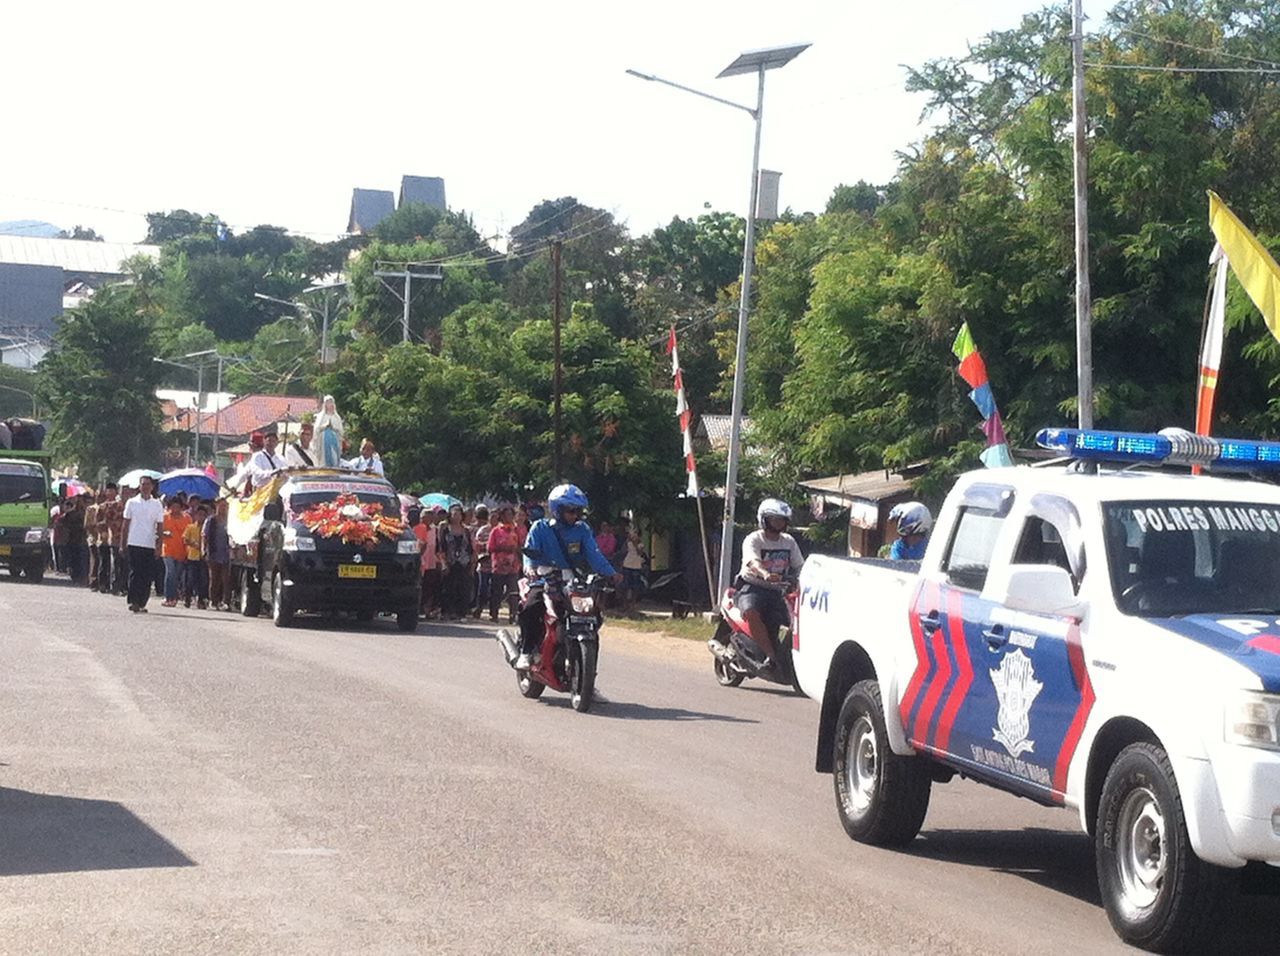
(369, 207)
(716, 429)
(427, 190)
(867, 486)
(72, 255)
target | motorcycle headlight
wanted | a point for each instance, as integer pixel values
(298, 542)
(407, 547)
(582, 603)
(34, 535)
(1253, 720)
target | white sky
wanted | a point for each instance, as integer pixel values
(271, 111)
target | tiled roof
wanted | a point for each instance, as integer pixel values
(252, 412)
(368, 208)
(427, 190)
(716, 428)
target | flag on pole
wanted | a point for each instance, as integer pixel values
(685, 416)
(974, 371)
(1211, 348)
(1250, 261)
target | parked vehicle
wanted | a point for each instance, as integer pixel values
(1105, 642)
(327, 541)
(25, 500)
(734, 655)
(570, 635)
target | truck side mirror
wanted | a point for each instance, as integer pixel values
(1037, 588)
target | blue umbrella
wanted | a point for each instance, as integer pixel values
(438, 499)
(191, 481)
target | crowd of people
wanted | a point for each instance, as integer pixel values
(127, 542)
(472, 558)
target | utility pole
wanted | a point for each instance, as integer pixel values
(1084, 305)
(559, 375)
(408, 272)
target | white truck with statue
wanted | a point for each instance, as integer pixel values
(1102, 634)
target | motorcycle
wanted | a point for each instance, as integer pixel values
(570, 644)
(735, 654)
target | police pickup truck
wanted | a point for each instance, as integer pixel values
(1103, 640)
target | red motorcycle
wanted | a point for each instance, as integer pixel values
(570, 644)
(736, 656)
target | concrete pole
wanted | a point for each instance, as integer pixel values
(740, 364)
(1084, 305)
(404, 323)
(559, 370)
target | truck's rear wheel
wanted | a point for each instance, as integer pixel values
(250, 594)
(881, 796)
(35, 572)
(1158, 894)
(407, 619)
(282, 609)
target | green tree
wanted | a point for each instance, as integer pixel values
(98, 386)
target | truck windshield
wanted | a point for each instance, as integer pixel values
(1171, 558)
(21, 483)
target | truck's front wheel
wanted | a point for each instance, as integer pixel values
(250, 594)
(882, 797)
(1158, 894)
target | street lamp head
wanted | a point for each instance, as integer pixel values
(643, 76)
(770, 58)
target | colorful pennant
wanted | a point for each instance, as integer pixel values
(974, 371)
(685, 416)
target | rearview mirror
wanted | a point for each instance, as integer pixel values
(1036, 588)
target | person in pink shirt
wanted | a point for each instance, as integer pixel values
(504, 552)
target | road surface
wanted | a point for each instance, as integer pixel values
(195, 782)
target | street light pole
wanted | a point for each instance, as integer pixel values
(751, 62)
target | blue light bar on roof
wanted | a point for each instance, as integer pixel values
(1173, 446)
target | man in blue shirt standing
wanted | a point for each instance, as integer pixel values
(562, 541)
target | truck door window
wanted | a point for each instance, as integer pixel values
(972, 544)
(1041, 543)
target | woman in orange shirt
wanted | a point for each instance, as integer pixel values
(174, 550)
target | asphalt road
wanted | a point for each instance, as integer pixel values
(194, 782)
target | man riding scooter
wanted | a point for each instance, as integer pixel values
(563, 541)
(770, 560)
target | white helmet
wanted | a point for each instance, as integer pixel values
(912, 518)
(772, 508)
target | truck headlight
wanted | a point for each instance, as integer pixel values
(34, 535)
(298, 542)
(407, 547)
(1253, 720)
(582, 603)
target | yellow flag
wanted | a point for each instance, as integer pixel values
(1250, 261)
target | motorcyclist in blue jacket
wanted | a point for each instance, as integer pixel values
(566, 503)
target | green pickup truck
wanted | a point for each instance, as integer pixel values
(24, 511)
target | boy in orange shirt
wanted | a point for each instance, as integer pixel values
(174, 550)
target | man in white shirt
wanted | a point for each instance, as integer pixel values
(298, 454)
(369, 459)
(143, 517)
(266, 462)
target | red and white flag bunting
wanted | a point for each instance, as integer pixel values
(685, 416)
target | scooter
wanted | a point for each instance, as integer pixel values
(570, 644)
(736, 656)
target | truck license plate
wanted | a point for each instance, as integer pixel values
(6, 549)
(357, 570)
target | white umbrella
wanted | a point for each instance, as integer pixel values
(134, 478)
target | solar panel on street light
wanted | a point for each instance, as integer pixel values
(769, 58)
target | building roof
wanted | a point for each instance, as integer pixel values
(72, 255)
(866, 486)
(368, 208)
(427, 190)
(716, 429)
(249, 413)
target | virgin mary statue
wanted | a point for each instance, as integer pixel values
(326, 443)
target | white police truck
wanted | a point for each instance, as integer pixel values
(1102, 636)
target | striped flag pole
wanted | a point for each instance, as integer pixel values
(691, 471)
(1211, 348)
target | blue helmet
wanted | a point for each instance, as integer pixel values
(565, 496)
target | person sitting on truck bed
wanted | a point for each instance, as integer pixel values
(770, 560)
(914, 524)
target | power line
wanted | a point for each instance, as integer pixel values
(1198, 49)
(1147, 68)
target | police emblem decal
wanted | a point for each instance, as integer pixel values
(1016, 689)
